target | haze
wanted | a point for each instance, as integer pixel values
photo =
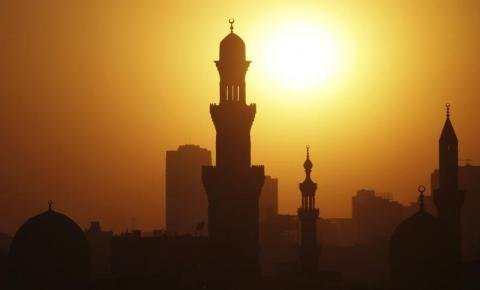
(92, 93)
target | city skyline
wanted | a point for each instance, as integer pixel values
(57, 144)
(224, 229)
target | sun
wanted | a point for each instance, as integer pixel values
(300, 55)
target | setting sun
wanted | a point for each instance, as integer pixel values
(300, 55)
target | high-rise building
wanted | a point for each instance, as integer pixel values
(186, 200)
(367, 207)
(233, 186)
(308, 249)
(468, 180)
(269, 200)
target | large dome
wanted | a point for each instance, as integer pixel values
(232, 48)
(417, 252)
(49, 251)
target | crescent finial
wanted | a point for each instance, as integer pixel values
(231, 21)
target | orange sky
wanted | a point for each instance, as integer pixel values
(92, 93)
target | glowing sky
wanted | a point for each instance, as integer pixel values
(92, 93)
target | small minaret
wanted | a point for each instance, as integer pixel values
(448, 198)
(308, 250)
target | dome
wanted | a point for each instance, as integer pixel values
(49, 251)
(232, 48)
(417, 252)
(417, 230)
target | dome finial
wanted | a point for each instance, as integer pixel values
(50, 202)
(308, 164)
(231, 21)
(447, 105)
(421, 198)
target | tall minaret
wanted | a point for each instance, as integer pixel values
(233, 186)
(308, 250)
(448, 198)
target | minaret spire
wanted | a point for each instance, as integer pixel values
(308, 164)
(308, 250)
(421, 197)
(448, 198)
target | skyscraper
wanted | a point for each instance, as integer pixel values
(233, 186)
(186, 201)
(367, 206)
(308, 249)
(268, 207)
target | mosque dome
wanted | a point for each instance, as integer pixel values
(419, 230)
(417, 252)
(49, 251)
(232, 47)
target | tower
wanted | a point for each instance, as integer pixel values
(448, 198)
(233, 186)
(186, 202)
(308, 250)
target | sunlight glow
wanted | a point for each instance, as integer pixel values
(300, 56)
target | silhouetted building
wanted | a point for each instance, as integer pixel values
(186, 201)
(5, 240)
(269, 200)
(49, 251)
(270, 237)
(448, 198)
(169, 262)
(417, 253)
(425, 251)
(308, 250)
(374, 216)
(469, 180)
(472, 275)
(336, 232)
(233, 186)
(100, 243)
(278, 239)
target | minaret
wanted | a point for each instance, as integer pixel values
(308, 250)
(233, 186)
(448, 198)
